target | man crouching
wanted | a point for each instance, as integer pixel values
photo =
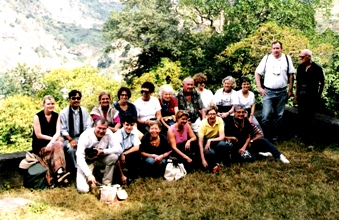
(96, 147)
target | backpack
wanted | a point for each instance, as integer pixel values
(35, 177)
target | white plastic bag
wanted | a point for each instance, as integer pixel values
(173, 171)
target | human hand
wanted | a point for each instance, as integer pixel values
(73, 144)
(241, 150)
(188, 145)
(91, 179)
(189, 160)
(262, 91)
(204, 163)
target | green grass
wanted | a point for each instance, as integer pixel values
(305, 189)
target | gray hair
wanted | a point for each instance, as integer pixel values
(308, 52)
(232, 81)
(239, 106)
(165, 88)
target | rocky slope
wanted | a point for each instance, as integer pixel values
(52, 34)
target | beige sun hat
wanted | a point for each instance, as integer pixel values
(28, 161)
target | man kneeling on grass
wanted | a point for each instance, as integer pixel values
(127, 138)
(239, 130)
(211, 140)
(96, 147)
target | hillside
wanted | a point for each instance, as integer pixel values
(52, 34)
(67, 33)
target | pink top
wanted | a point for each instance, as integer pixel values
(178, 138)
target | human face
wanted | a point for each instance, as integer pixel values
(105, 101)
(239, 113)
(166, 96)
(128, 127)
(211, 116)
(276, 50)
(145, 94)
(154, 130)
(245, 86)
(201, 86)
(49, 105)
(188, 85)
(182, 120)
(75, 101)
(123, 96)
(304, 57)
(100, 130)
(227, 86)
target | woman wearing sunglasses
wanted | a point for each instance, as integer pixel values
(148, 107)
(107, 111)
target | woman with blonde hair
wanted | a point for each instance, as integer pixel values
(48, 144)
(107, 111)
(226, 97)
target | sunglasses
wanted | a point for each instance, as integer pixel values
(302, 57)
(144, 91)
(75, 98)
(123, 95)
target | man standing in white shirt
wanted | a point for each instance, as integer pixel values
(278, 71)
(96, 147)
(127, 138)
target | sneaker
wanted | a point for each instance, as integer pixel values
(283, 159)
(265, 154)
(216, 168)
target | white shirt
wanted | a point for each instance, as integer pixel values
(87, 140)
(247, 102)
(206, 97)
(147, 110)
(126, 141)
(225, 99)
(275, 72)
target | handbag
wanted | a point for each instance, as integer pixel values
(174, 170)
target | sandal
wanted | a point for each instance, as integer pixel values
(61, 177)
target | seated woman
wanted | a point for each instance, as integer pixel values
(123, 105)
(169, 106)
(47, 142)
(206, 95)
(107, 111)
(148, 107)
(182, 139)
(155, 149)
(225, 98)
(247, 98)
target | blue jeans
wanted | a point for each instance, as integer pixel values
(155, 169)
(263, 145)
(219, 151)
(272, 111)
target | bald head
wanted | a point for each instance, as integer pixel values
(188, 84)
(306, 52)
(305, 56)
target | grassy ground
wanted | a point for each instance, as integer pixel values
(305, 189)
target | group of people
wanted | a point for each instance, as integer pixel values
(198, 128)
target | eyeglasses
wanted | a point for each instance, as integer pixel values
(302, 57)
(75, 98)
(144, 91)
(123, 95)
(212, 114)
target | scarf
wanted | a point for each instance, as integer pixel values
(71, 122)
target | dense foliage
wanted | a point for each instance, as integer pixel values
(17, 110)
(223, 38)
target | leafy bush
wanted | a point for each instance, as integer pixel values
(16, 116)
